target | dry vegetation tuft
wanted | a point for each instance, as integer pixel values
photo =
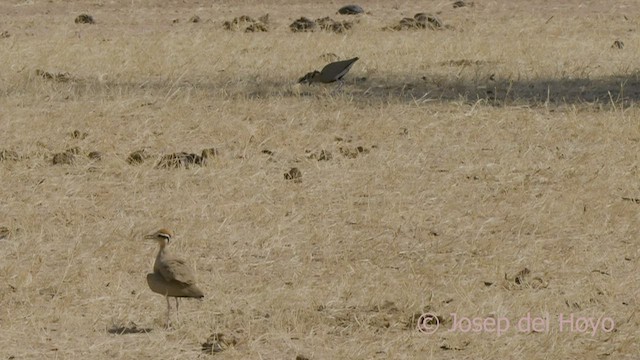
(489, 170)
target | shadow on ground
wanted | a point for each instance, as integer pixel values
(128, 329)
(611, 90)
(604, 91)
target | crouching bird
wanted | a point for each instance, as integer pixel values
(332, 72)
(171, 276)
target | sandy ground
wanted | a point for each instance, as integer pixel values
(485, 173)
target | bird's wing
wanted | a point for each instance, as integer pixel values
(336, 70)
(176, 270)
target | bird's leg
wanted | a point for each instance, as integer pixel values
(340, 84)
(168, 312)
(177, 313)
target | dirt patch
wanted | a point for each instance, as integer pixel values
(77, 134)
(208, 154)
(353, 153)
(462, 3)
(328, 24)
(618, 44)
(84, 19)
(418, 21)
(59, 77)
(329, 57)
(179, 160)
(63, 158)
(218, 342)
(68, 157)
(525, 278)
(138, 157)
(73, 150)
(130, 328)
(294, 174)
(462, 62)
(4, 232)
(322, 155)
(95, 155)
(9, 155)
(186, 160)
(305, 24)
(248, 24)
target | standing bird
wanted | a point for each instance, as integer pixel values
(334, 71)
(171, 276)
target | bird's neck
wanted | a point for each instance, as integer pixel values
(161, 252)
(162, 245)
(162, 249)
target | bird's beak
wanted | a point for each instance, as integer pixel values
(150, 237)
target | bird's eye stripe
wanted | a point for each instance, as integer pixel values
(165, 236)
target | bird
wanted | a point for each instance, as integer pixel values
(332, 72)
(171, 276)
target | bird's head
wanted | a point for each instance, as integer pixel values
(162, 236)
(310, 77)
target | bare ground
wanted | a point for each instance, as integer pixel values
(488, 170)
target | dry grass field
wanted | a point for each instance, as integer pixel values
(484, 171)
